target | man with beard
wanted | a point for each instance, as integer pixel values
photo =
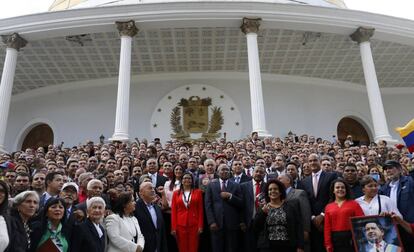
(252, 194)
(401, 190)
(69, 194)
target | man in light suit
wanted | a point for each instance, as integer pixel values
(150, 220)
(302, 198)
(223, 203)
(317, 187)
(251, 202)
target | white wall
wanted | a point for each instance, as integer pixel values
(83, 111)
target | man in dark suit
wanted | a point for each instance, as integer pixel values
(292, 168)
(302, 198)
(238, 176)
(317, 187)
(157, 179)
(150, 220)
(54, 183)
(223, 203)
(250, 190)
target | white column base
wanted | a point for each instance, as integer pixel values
(262, 133)
(119, 137)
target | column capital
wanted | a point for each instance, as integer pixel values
(362, 34)
(250, 25)
(14, 41)
(127, 28)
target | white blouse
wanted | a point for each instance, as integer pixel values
(168, 193)
(4, 235)
(372, 208)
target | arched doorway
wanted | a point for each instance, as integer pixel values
(39, 136)
(349, 126)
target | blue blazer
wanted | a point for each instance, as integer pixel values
(405, 197)
(217, 209)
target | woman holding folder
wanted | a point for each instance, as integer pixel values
(50, 233)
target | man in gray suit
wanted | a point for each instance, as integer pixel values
(302, 198)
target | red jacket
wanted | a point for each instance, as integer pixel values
(187, 217)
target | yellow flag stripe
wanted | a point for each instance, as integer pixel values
(407, 129)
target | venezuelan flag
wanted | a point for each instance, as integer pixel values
(407, 134)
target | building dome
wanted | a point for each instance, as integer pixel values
(69, 4)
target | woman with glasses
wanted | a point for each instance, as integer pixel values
(187, 215)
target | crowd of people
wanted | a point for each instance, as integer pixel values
(295, 193)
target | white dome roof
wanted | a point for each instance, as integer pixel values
(74, 4)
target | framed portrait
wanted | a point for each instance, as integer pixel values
(375, 234)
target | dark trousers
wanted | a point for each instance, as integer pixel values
(317, 244)
(249, 240)
(171, 242)
(224, 240)
(342, 241)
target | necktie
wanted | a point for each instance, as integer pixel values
(315, 185)
(223, 186)
(248, 172)
(257, 193)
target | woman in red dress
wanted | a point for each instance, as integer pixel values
(338, 236)
(187, 215)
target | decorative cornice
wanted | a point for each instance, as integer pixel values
(362, 34)
(250, 25)
(14, 41)
(127, 28)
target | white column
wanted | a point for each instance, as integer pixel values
(362, 36)
(250, 27)
(14, 42)
(126, 30)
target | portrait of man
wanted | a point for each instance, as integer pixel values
(376, 234)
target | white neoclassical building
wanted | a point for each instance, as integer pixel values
(152, 68)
